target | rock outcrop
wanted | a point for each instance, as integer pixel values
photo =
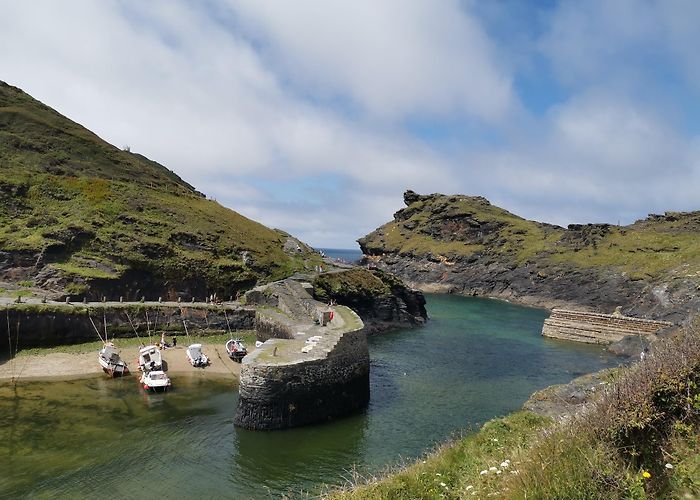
(381, 299)
(597, 328)
(561, 401)
(463, 244)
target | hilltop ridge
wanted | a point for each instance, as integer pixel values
(81, 217)
(464, 244)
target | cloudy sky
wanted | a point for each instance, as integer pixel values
(314, 115)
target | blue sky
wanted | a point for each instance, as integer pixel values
(315, 116)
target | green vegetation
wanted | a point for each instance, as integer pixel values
(453, 470)
(448, 228)
(212, 337)
(639, 439)
(96, 214)
(353, 282)
(352, 322)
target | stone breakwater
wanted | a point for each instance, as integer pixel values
(597, 328)
(321, 373)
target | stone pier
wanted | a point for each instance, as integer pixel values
(597, 328)
(314, 374)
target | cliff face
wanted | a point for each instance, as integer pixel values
(463, 244)
(381, 299)
(81, 217)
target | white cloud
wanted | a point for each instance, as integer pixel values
(587, 40)
(392, 58)
(598, 158)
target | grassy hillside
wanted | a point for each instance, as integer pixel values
(639, 439)
(80, 215)
(448, 228)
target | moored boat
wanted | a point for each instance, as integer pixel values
(155, 380)
(110, 361)
(236, 350)
(150, 359)
(196, 357)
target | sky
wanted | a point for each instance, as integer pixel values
(314, 116)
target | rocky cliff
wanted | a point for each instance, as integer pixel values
(464, 244)
(380, 298)
(83, 218)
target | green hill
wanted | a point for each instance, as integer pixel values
(80, 216)
(464, 244)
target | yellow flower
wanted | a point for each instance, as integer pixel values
(646, 474)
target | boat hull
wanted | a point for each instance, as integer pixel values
(236, 350)
(116, 373)
(113, 370)
(155, 382)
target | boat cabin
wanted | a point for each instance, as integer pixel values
(149, 358)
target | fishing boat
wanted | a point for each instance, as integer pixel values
(196, 357)
(155, 380)
(236, 350)
(110, 361)
(150, 359)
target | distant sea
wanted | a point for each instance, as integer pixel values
(349, 255)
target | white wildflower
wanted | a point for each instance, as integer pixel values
(505, 465)
(498, 471)
(483, 472)
(443, 484)
(470, 487)
(669, 466)
(493, 469)
(438, 474)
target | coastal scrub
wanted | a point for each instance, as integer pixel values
(639, 439)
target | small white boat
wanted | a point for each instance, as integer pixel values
(150, 359)
(195, 356)
(155, 380)
(110, 361)
(236, 350)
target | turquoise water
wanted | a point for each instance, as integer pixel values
(475, 359)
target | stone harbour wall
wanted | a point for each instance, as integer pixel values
(47, 325)
(597, 328)
(281, 386)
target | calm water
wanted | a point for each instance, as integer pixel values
(349, 255)
(476, 359)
